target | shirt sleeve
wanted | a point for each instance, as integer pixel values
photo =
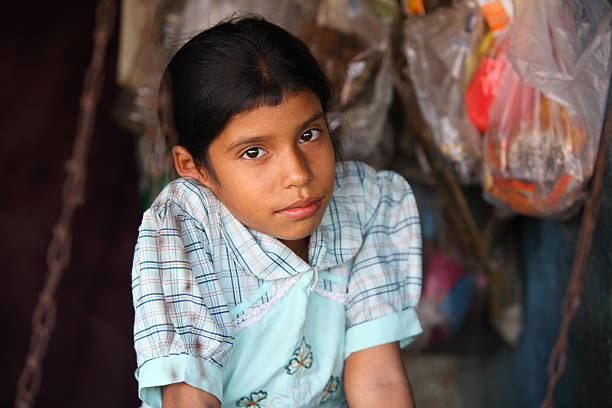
(182, 326)
(385, 280)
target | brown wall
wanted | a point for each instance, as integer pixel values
(90, 360)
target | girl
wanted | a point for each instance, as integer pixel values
(268, 275)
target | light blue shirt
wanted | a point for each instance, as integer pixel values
(235, 313)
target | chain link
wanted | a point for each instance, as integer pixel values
(571, 299)
(58, 253)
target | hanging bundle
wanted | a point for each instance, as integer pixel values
(441, 51)
(545, 121)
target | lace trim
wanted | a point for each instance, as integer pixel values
(338, 297)
(255, 313)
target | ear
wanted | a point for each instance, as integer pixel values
(187, 167)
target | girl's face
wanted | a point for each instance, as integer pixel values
(275, 168)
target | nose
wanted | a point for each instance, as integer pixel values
(296, 169)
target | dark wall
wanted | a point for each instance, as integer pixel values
(90, 360)
(520, 374)
(519, 377)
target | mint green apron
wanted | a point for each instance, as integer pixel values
(294, 355)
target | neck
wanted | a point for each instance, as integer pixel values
(298, 246)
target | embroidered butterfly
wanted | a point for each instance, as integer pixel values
(330, 388)
(302, 358)
(252, 400)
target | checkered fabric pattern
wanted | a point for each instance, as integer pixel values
(197, 268)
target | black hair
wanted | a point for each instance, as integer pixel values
(236, 66)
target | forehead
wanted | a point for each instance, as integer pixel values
(289, 115)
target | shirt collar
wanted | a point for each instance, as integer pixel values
(334, 242)
(260, 254)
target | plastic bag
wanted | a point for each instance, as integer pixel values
(352, 45)
(200, 14)
(563, 48)
(541, 141)
(531, 147)
(441, 53)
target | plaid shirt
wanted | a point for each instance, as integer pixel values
(197, 270)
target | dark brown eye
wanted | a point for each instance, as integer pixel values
(309, 135)
(253, 153)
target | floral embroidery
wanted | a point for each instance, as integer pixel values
(330, 388)
(253, 400)
(302, 358)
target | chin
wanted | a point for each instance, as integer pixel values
(294, 237)
(299, 233)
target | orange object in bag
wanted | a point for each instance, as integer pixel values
(546, 121)
(533, 152)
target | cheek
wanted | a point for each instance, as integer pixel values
(245, 189)
(325, 162)
(254, 182)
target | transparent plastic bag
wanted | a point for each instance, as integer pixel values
(563, 48)
(352, 45)
(531, 146)
(441, 53)
(546, 120)
(200, 14)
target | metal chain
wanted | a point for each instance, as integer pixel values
(58, 252)
(571, 299)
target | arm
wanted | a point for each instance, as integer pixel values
(183, 395)
(375, 377)
(167, 297)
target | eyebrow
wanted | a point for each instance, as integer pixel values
(318, 115)
(259, 139)
(246, 141)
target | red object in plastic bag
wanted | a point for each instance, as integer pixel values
(482, 90)
(535, 150)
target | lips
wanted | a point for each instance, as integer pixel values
(301, 208)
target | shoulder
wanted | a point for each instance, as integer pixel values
(186, 197)
(369, 188)
(352, 174)
(360, 177)
(183, 204)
